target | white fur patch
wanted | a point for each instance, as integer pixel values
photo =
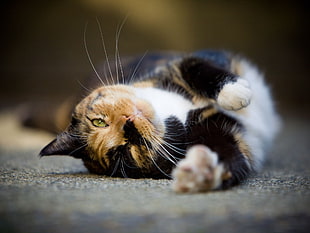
(235, 95)
(259, 117)
(166, 103)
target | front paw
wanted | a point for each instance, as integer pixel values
(235, 95)
(199, 171)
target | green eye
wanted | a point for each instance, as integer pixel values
(99, 123)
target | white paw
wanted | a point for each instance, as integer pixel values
(235, 95)
(199, 171)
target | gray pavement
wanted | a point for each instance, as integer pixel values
(56, 194)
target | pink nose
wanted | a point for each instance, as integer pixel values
(125, 118)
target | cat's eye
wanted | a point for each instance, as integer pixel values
(99, 123)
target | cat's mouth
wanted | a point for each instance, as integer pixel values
(141, 125)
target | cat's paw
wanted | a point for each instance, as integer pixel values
(199, 171)
(235, 96)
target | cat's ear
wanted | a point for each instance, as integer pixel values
(65, 144)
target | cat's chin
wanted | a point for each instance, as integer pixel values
(152, 130)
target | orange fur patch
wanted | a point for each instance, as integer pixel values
(243, 147)
(116, 105)
(143, 84)
(236, 67)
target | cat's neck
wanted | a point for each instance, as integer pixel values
(166, 103)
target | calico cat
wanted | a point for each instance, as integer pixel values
(203, 119)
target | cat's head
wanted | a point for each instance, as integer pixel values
(117, 133)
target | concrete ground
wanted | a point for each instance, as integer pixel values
(56, 194)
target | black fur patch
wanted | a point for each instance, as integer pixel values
(216, 133)
(65, 144)
(94, 166)
(204, 77)
(166, 83)
(132, 134)
(217, 57)
(175, 135)
(123, 165)
(174, 147)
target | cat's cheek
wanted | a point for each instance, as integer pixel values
(141, 156)
(145, 109)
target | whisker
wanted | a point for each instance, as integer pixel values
(154, 162)
(137, 67)
(126, 164)
(174, 148)
(79, 136)
(104, 49)
(118, 62)
(156, 165)
(106, 76)
(116, 58)
(147, 147)
(84, 87)
(166, 153)
(123, 169)
(88, 55)
(165, 156)
(116, 166)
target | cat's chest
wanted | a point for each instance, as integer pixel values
(165, 103)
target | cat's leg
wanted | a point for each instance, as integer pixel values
(229, 91)
(199, 171)
(219, 158)
(202, 170)
(235, 95)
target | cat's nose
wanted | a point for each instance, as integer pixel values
(123, 119)
(132, 117)
(127, 118)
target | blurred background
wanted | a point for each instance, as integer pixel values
(43, 56)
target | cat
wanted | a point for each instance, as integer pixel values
(204, 119)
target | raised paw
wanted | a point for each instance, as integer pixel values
(235, 95)
(199, 171)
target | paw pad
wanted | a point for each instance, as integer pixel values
(198, 172)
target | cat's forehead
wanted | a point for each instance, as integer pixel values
(106, 96)
(112, 91)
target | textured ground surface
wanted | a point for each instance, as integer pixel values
(58, 195)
